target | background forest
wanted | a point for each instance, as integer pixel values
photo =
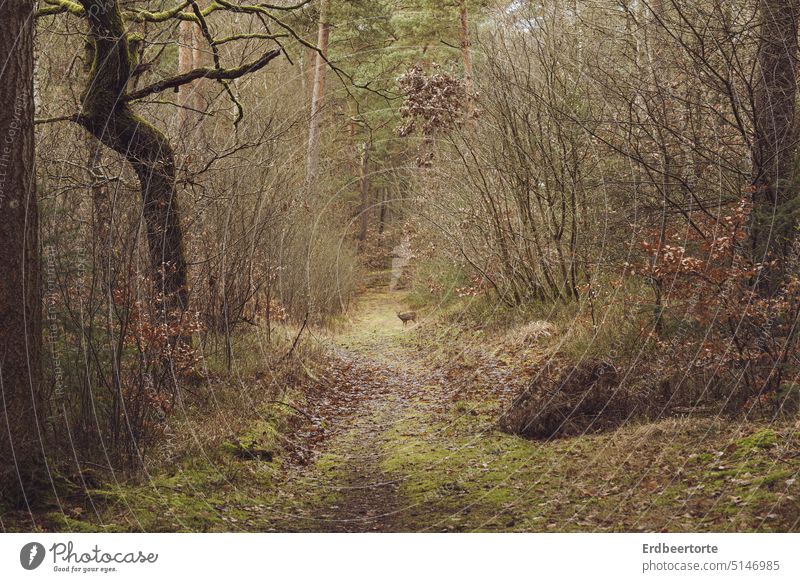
(587, 210)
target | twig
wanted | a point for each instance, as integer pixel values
(41, 121)
(296, 339)
(303, 412)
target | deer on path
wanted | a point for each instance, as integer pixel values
(406, 316)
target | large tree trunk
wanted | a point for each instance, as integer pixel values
(110, 119)
(318, 93)
(775, 140)
(22, 465)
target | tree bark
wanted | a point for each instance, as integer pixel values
(318, 93)
(185, 63)
(362, 233)
(190, 95)
(110, 118)
(23, 467)
(466, 53)
(382, 215)
(774, 144)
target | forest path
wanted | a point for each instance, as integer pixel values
(374, 384)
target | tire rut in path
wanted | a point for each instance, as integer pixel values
(372, 383)
(366, 499)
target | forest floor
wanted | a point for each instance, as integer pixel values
(399, 433)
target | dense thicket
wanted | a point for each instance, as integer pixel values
(637, 160)
(207, 168)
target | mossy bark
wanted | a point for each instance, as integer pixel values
(109, 117)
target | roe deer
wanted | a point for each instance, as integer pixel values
(407, 316)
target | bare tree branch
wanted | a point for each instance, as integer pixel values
(203, 73)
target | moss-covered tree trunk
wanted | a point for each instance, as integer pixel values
(22, 466)
(109, 117)
(775, 141)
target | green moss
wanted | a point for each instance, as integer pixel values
(762, 439)
(63, 522)
(775, 477)
(633, 479)
(259, 441)
(463, 482)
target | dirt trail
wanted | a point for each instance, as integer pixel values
(351, 492)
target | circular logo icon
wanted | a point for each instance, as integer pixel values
(31, 555)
